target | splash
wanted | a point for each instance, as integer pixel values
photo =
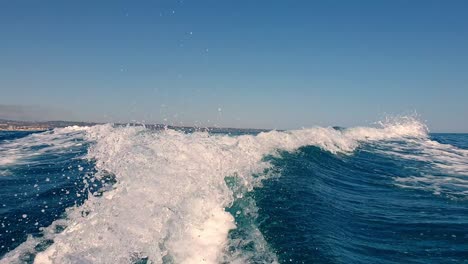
(168, 205)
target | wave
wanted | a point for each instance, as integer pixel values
(25, 150)
(172, 189)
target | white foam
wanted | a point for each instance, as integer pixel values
(436, 184)
(450, 162)
(24, 150)
(391, 129)
(169, 199)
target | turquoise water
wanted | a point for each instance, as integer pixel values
(391, 194)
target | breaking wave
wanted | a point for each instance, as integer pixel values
(171, 190)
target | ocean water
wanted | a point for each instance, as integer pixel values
(390, 193)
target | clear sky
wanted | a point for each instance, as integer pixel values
(267, 64)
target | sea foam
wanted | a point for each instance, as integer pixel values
(168, 203)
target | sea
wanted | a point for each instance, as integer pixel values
(391, 192)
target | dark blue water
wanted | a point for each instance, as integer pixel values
(347, 209)
(37, 190)
(375, 205)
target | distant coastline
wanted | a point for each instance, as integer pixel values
(14, 125)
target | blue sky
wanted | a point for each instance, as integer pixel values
(268, 64)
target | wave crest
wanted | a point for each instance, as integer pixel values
(170, 197)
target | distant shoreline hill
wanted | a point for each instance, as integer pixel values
(13, 125)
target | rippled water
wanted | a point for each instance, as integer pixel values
(103, 194)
